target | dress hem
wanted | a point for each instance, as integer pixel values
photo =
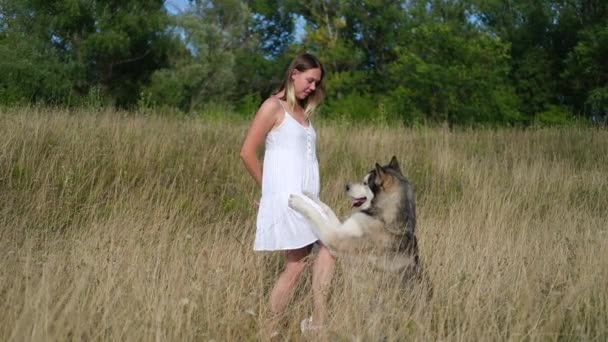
(288, 248)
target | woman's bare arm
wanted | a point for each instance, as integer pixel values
(265, 119)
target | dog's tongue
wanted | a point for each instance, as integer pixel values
(357, 202)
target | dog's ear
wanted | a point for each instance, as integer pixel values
(380, 174)
(394, 164)
(379, 169)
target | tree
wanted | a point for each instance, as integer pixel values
(554, 45)
(113, 45)
(212, 33)
(445, 74)
(587, 71)
(272, 25)
(29, 76)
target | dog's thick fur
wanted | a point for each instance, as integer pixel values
(381, 233)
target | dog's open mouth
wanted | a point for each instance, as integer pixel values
(357, 202)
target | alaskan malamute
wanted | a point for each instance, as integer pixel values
(380, 234)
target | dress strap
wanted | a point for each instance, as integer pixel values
(281, 103)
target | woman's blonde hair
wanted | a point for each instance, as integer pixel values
(303, 62)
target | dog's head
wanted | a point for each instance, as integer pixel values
(386, 192)
(380, 179)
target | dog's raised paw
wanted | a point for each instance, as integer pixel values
(296, 202)
(311, 196)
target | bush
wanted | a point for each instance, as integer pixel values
(353, 106)
(554, 115)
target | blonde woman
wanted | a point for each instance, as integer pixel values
(290, 165)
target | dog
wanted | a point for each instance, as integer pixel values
(380, 235)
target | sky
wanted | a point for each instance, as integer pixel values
(175, 6)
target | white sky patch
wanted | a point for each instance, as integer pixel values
(176, 6)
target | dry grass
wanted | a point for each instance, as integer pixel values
(121, 227)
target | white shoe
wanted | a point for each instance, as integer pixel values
(307, 327)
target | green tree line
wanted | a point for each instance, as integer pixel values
(513, 62)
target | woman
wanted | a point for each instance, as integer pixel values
(290, 165)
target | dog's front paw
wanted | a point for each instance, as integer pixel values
(311, 196)
(296, 202)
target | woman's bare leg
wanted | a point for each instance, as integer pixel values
(282, 291)
(322, 273)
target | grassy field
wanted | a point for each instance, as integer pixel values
(123, 227)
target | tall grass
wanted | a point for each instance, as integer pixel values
(115, 226)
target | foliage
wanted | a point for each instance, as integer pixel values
(553, 115)
(113, 45)
(598, 105)
(272, 25)
(587, 71)
(451, 76)
(468, 62)
(211, 33)
(551, 49)
(30, 77)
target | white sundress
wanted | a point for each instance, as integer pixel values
(290, 167)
